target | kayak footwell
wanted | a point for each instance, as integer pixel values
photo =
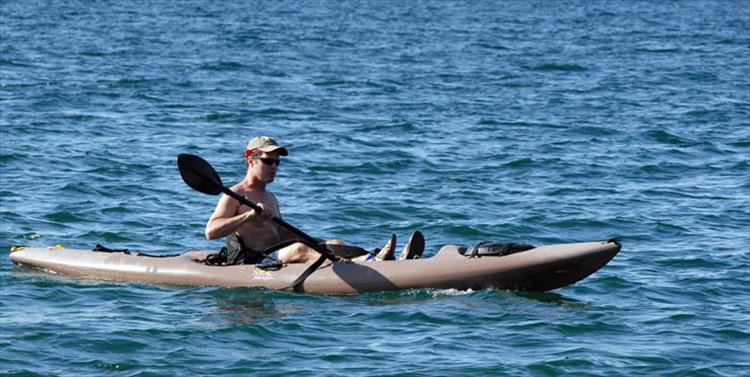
(539, 269)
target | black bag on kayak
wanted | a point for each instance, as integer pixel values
(234, 252)
(495, 249)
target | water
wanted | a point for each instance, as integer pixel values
(537, 122)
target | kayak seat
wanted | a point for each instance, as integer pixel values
(493, 249)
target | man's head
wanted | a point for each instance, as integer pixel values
(262, 157)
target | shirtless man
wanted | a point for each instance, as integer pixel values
(256, 230)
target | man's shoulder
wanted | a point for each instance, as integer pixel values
(237, 187)
(242, 188)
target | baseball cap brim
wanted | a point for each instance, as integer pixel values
(271, 148)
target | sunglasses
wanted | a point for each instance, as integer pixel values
(269, 161)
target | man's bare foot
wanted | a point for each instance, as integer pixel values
(386, 253)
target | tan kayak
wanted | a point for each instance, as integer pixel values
(539, 269)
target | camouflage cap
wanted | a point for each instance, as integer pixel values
(265, 144)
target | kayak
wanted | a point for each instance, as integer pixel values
(541, 268)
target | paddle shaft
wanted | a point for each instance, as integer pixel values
(308, 240)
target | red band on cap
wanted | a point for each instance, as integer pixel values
(250, 152)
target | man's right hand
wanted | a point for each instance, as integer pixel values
(263, 214)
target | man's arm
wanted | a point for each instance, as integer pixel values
(224, 221)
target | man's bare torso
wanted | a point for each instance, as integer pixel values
(259, 234)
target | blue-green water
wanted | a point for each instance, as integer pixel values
(538, 122)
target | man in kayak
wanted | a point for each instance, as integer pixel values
(249, 233)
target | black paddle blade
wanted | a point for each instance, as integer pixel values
(199, 174)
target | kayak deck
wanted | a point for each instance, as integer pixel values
(540, 269)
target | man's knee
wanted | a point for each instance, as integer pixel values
(297, 252)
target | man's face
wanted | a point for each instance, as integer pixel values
(265, 166)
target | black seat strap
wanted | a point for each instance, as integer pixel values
(297, 284)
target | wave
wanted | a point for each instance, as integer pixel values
(552, 67)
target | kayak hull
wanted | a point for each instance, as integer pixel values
(540, 269)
